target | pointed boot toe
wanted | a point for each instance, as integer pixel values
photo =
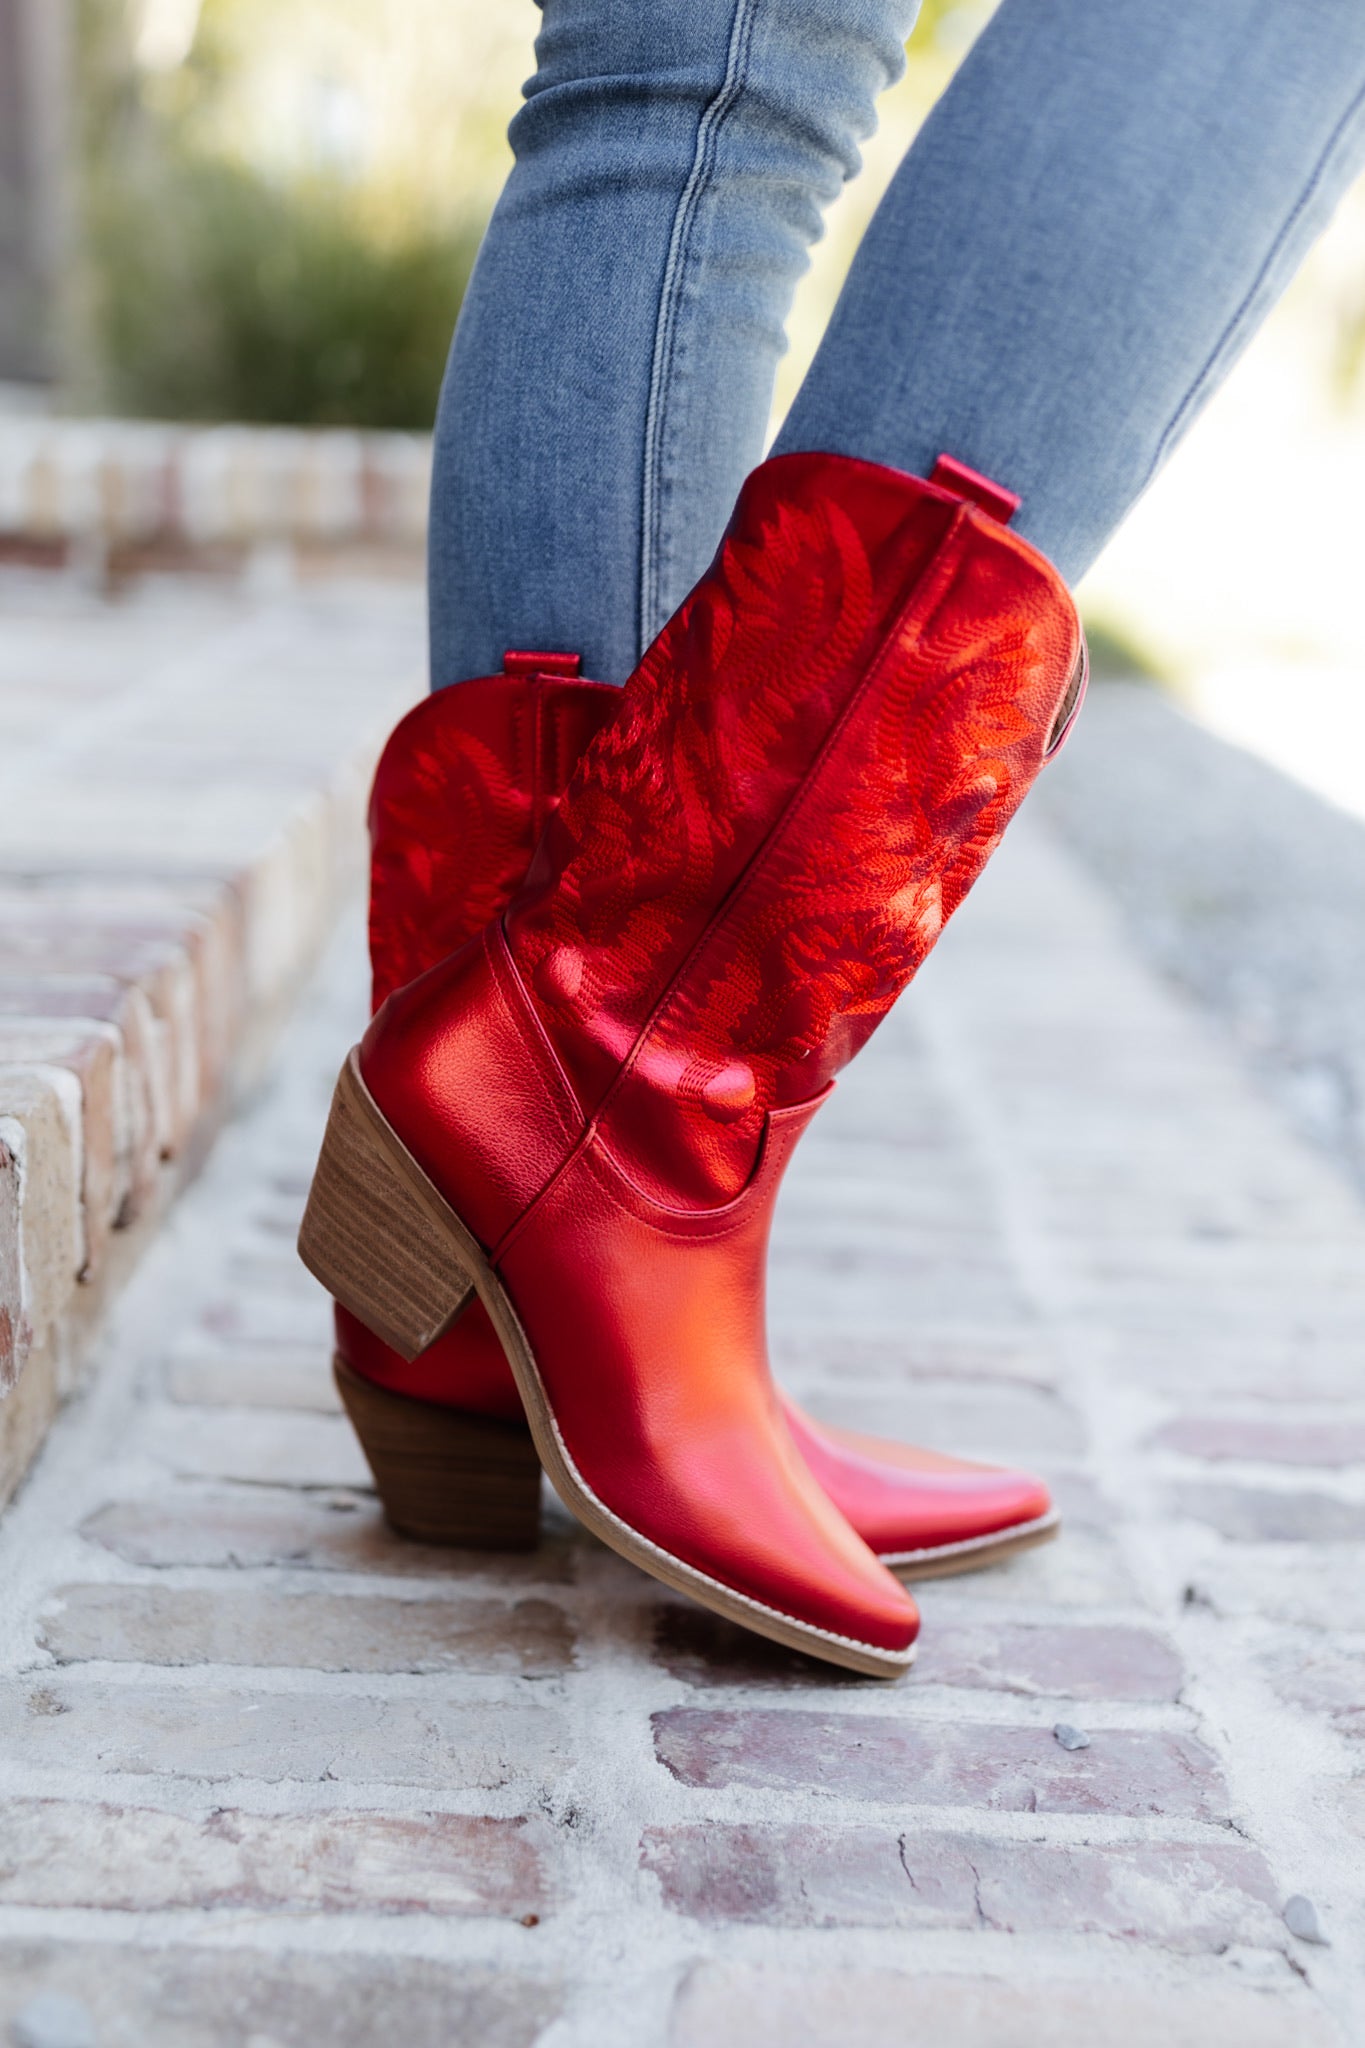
(924, 1514)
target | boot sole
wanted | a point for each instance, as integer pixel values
(386, 1244)
(448, 1477)
(973, 1553)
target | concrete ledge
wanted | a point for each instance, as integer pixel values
(130, 483)
(180, 820)
(1240, 883)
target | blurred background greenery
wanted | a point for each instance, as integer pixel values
(279, 204)
(280, 200)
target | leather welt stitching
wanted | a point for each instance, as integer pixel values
(971, 1543)
(828, 1635)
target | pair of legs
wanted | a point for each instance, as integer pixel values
(1092, 223)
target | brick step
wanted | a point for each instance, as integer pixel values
(180, 821)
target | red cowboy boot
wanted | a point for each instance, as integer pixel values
(462, 792)
(584, 1114)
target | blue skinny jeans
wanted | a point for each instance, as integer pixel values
(1091, 224)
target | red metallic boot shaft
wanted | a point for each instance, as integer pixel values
(813, 763)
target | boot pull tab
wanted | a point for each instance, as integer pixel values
(520, 661)
(543, 772)
(951, 475)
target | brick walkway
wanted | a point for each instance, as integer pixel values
(270, 1777)
(182, 783)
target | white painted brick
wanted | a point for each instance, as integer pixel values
(41, 1110)
(728, 2006)
(208, 1732)
(134, 1858)
(101, 1003)
(92, 1054)
(316, 1631)
(16, 1330)
(161, 1995)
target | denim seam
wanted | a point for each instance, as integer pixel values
(713, 119)
(1227, 338)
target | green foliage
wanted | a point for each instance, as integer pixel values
(218, 295)
(1348, 366)
(1115, 656)
(213, 292)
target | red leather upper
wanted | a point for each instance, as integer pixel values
(441, 851)
(757, 850)
(466, 1368)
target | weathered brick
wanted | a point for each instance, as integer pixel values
(26, 1413)
(136, 1859)
(1321, 1588)
(92, 1054)
(1084, 1569)
(1325, 1676)
(271, 1447)
(701, 1649)
(944, 1356)
(1083, 1662)
(736, 2005)
(317, 1631)
(254, 1376)
(16, 1331)
(1184, 1898)
(262, 1271)
(1262, 1514)
(1271, 1440)
(1092, 1662)
(211, 1732)
(941, 1763)
(271, 1321)
(1275, 1366)
(160, 1997)
(142, 900)
(146, 1070)
(41, 1113)
(876, 1312)
(1005, 1419)
(1186, 1317)
(157, 960)
(1081, 1501)
(315, 1531)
